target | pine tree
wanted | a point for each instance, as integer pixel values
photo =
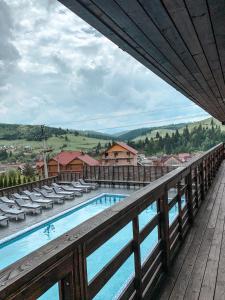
(14, 181)
(1, 182)
(19, 179)
(10, 183)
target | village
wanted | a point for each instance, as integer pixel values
(118, 154)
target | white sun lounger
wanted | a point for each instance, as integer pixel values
(35, 208)
(4, 221)
(78, 192)
(12, 212)
(93, 185)
(59, 199)
(85, 188)
(6, 200)
(43, 202)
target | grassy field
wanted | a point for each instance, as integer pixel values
(74, 143)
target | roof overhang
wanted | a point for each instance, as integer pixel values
(183, 42)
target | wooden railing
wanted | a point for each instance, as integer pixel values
(64, 260)
(27, 186)
(118, 175)
(126, 173)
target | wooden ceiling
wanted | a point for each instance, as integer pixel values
(182, 41)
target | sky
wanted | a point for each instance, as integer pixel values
(57, 70)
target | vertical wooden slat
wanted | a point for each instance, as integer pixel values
(137, 258)
(80, 278)
(202, 183)
(164, 229)
(179, 209)
(189, 196)
(67, 287)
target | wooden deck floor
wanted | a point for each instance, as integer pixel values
(198, 271)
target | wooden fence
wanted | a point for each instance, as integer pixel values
(64, 260)
(27, 186)
(136, 175)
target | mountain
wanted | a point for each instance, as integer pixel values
(142, 133)
(32, 133)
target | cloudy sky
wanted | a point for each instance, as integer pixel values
(57, 70)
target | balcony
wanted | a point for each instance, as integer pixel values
(183, 263)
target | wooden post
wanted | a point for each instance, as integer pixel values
(179, 209)
(190, 197)
(202, 184)
(67, 288)
(137, 258)
(80, 271)
(164, 229)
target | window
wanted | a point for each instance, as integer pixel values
(128, 153)
(115, 154)
(106, 154)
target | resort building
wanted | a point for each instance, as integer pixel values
(119, 154)
(67, 161)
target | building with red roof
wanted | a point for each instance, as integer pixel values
(67, 161)
(119, 154)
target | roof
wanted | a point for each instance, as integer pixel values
(183, 42)
(89, 160)
(65, 157)
(39, 164)
(169, 157)
(127, 147)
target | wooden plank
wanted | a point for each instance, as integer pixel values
(210, 276)
(137, 257)
(176, 282)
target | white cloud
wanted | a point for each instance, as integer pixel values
(60, 70)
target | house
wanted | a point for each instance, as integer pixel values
(67, 161)
(171, 160)
(184, 157)
(119, 154)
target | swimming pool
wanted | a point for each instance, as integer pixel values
(34, 238)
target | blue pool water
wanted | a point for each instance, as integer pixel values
(41, 235)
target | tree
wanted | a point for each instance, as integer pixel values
(28, 170)
(19, 179)
(14, 181)
(1, 181)
(9, 183)
(11, 172)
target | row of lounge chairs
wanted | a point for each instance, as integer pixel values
(33, 202)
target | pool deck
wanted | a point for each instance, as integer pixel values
(16, 226)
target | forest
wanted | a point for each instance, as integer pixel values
(198, 139)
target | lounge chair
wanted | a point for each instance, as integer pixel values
(19, 196)
(85, 188)
(93, 185)
(67, 188)
(59, 199)
(12, 212)
(7, 201)
(36, 199)
(4, 221)
(31, 207)
(47, 188)
(68, 195)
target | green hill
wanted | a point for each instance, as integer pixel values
(151, 133)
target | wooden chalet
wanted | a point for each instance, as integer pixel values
(119, 154)
(67, 161)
